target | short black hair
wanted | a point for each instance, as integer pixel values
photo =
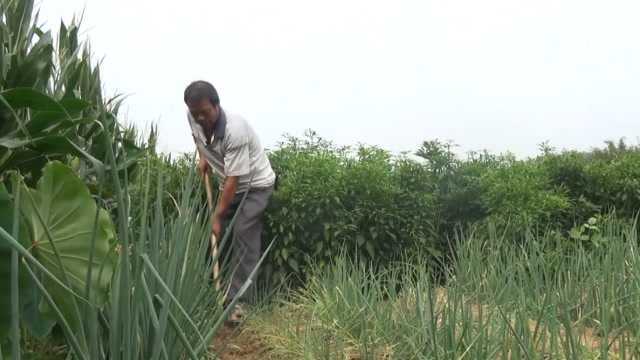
(199, 90)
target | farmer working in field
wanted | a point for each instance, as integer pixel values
(227, 144)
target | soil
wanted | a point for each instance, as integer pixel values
(238, 343)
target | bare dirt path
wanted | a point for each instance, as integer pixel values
(239, 343)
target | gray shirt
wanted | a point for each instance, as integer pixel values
(235, 150)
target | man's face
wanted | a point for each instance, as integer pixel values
(204, 112)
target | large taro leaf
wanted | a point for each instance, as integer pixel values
(64, 206)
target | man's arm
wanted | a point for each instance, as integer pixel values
(203, 166)
(236, 164)
(228, 193)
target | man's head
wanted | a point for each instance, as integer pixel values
(203, 102)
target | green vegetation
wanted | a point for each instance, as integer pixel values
(499, 299)
(116, 279)
(376, 206)
(377, 255)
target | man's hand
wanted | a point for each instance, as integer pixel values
(228, 192)
(203, 166)
(217, 227)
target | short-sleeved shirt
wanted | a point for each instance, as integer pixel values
(235, 150)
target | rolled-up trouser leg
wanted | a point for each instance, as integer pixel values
(247, 245)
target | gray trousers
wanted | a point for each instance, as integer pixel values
(246, 245)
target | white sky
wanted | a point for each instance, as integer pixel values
(494, 74)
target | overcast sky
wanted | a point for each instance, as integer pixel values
(494, 74)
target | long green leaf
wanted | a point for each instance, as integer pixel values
(176, 302)
(181, 334)
(18, 98)
(15, 276)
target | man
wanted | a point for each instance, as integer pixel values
(227, 144)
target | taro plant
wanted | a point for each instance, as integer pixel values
(146, 295)
(67, 242)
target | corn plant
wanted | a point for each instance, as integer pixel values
(51, 101)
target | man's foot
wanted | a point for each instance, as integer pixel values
(238, 314)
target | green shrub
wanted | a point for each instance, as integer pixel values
(569, 171)
(377, 205)
(602, 180)
(616, 183)
(366, 201)
(520, 193)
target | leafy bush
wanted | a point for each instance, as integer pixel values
(455, 184)
(569, 171)
(520, 193)
(378, 205)
(366, 201)
(616, 183)
(602, 180)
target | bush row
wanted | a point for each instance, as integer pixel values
(378, 206)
